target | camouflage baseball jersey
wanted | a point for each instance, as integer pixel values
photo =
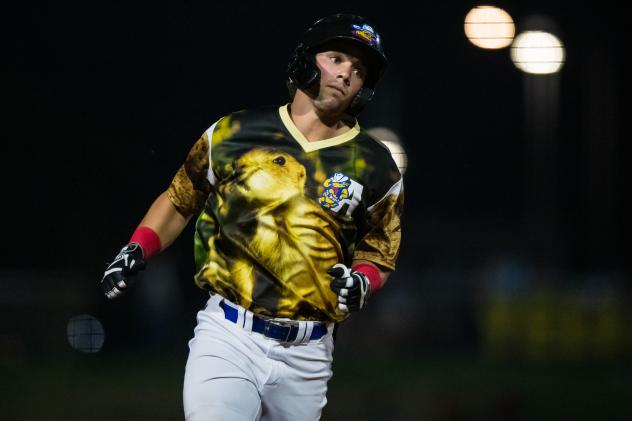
(277, 211)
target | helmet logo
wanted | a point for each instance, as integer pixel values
(366, 34)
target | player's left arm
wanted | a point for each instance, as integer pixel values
(375, 254)
(377, 249)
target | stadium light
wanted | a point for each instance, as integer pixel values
(538, 52)
(489, 27)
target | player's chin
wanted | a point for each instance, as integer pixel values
(332, 105)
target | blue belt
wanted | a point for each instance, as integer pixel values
(284, 331)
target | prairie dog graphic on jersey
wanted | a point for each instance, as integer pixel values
(269, 177)
(268, 217)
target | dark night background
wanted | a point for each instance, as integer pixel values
(511, 299)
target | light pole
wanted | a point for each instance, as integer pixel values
(540, 55)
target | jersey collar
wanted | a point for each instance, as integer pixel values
(312, 146)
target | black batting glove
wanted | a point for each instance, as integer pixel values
(352, 287)
(120, 272)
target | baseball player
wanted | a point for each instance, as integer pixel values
(297, 224)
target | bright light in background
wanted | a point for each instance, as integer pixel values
(538, 52)
(85, 333)
(390, 139)
(489, 27)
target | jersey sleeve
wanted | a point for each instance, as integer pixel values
(194, 180)
(382, 233)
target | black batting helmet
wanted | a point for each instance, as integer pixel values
(304, 73)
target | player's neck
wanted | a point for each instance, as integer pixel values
(315, 127)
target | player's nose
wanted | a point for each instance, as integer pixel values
(344, 72)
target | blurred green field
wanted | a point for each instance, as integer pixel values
(108, 387)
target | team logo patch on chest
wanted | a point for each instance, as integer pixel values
(341, 192)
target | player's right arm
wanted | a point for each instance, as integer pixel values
(161, 225)
(164, 221)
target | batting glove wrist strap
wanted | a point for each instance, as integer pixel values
(352, 287)
(119, 273)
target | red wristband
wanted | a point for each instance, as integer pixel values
(371, 272)
(148, 240)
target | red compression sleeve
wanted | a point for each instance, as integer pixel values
(148, 240)
(371, 272)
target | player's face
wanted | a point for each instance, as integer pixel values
(342, 74)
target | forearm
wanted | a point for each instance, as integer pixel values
(165, 220)
(159, 228)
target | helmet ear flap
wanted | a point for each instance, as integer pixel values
(360, 100)
(302, 70)
(291, 87)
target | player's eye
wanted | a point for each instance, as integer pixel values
(335, 59)
(359, 72)
(279, 160)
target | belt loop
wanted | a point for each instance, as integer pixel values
(241, 314)
(300, 334)
(248, 315)
(309, 327)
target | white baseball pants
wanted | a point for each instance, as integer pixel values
(233, 374)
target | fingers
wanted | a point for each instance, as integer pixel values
(120, 273)
(347, 288)
(113, 293)
(113, 284)
(339, 283)
(339, 271)
(348, 307)
(343, 307)
(347, 299)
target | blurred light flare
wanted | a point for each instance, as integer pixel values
(391, 140)
(85, 333)
(489, 27)
(538, 52)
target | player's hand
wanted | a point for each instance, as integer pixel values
(352, 287)
(118, 274)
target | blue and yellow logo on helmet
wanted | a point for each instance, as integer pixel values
(366, 34)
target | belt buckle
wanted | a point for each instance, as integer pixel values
(283, 323)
